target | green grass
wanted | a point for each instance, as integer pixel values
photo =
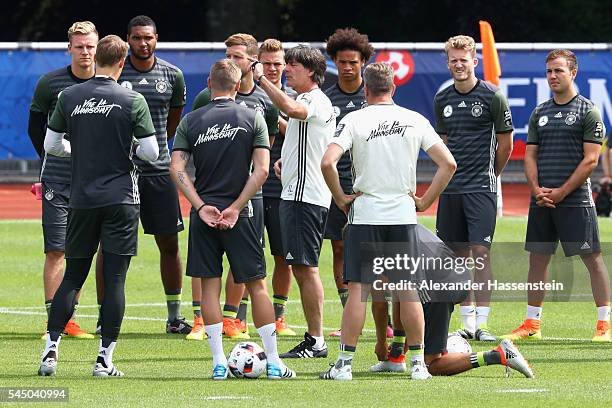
(166, 369)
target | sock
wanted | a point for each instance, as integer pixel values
(268, 337)
(346, 355)
(417, 354)
(320, 342)
(52, 341)
(197, 308)
(99, 322)
(215, 340)
(279, 306)
(603, 313)
(484, 358)
(48, 306)
(229, 311)
(76, 306)
(397, 347)
(173, 301)
(534, 312)
(468, 317)
(105, 355)
(242, 309)
(482, 316)
(389, 323)
(343, 294)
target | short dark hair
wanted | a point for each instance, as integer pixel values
(570, 57)
(311, 58)
(111, 50)
(349, 39)
(141, 21)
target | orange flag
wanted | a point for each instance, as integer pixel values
(492, 70)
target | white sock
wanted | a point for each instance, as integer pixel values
(603, 313)
(534, 312)
(268, 337)
(215, 340)
(482, 316)
(468, 317)
(107, 353)
(54, 346)
(320, 342)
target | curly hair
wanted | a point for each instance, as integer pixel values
(349, 39)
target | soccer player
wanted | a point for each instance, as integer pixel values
(350, 51)
(102, 120)
(383, 209)
(163, 86)
(241, 48)
(55, 174)
(272, 58)
(225, 138)
(563, 144)
(305, 197)
(474, 119)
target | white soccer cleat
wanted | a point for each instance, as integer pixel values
(388, 367)
(48, 367)
(101, 371)
(512, 357)
(419, 372)
(344, 373)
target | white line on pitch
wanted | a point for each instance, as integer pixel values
(523, 390)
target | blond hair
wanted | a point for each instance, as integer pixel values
(81, 28)
(243, 39)
(271, 45)
(111, 50)
(461, 42)
(378, 77)
(224, 75)
(570, 57)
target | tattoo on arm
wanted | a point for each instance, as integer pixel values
(181, 176)
(185, 156)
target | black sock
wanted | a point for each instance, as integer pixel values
(242, 309)
(113, 305)
(197, 308)
(343, 294)
(279, 306)
(48, 306)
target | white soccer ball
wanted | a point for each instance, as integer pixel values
(457, 344)
(247, 360)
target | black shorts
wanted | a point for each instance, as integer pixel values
(272, 222)
(467, 219)
(356, 235)
(302, 227)
(336, 221)
(114, 227)
(437, 318)
(160, 211)
(258, 219)
(55, 215)
(241, 245)
(575, 227)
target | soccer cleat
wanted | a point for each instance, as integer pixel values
(529, 330)
(47, 367)
(511, 357)
(178, 326)
(483, 334)
(465, 333)
(230, 330)
(220, 372)
(336, 333)
(276, 373)
(282, 329)
(72, 329)
(197, 332)
(100, 370)
(242, 326)
(305, 349)
(344, 373)
(602, 332)
(389, 332)
(419, 372)
(391, 365)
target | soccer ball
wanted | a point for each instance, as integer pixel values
(457, 344)
(247, 360)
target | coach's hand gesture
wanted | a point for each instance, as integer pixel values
(277, 168)
(419, 203)
(542, 196)
(210, 215)
(345, 200)
(229, 218)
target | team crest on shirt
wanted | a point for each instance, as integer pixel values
(126, 84)
(336, 111)
(260, 109)
(476, 110)
(49, 195)
(570, 119)
(339, 129)
(448, 111)
(161, 85)
(543, 121)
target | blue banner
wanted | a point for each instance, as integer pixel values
(419, 75)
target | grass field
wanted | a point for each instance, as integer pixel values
(166, 369)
